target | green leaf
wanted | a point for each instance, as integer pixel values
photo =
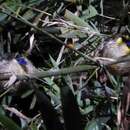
(3, 17)
(54, 63)
(28, 15)
(8, 123)
(93, 125)
(33, 103)
(80, 103)
(27, 93)
(87, 110)
(33, 126)
(97, 124)
(75, 19)
(52, 85)
(13, 4)
(89, 13)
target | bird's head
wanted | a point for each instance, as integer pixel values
(124, 39)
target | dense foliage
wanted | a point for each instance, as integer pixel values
(57, 34)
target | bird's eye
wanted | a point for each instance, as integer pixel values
(21, 61)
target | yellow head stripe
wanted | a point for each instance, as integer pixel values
(119, 41)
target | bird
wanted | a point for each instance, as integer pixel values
(115, 49)
(14, 65)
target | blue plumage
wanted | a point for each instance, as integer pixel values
(128, 43)
(21, 61)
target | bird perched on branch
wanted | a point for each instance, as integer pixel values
(11, 66)
(115, 50)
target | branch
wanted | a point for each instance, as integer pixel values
(110, 61)
(54, 72)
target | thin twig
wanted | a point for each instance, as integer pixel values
(110, 61)
(17, 113)
(35, 9)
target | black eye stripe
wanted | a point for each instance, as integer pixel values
(128, 43)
